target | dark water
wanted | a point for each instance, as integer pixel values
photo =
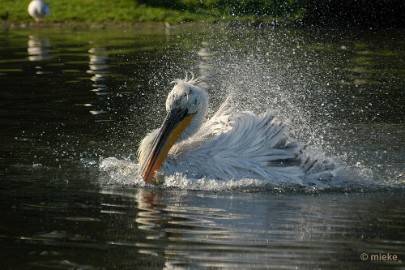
(73, 100)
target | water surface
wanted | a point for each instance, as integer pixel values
(73, 99)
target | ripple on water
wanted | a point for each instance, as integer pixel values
(272, 232)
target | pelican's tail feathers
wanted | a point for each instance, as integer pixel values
(284, 154)
(280, 149)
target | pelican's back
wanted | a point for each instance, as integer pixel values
(234, 145)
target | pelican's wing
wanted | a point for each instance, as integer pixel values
(220, 122)
(239, 145)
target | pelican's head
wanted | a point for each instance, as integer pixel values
(186, 107)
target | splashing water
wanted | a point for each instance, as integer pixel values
(125, 173)
(278, 74)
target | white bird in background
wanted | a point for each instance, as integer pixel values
(230, 145)
(38, 9)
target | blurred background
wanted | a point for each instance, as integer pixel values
(291, 12)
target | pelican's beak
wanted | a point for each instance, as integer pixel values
(174, 124)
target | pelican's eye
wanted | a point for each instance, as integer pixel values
(195, 101)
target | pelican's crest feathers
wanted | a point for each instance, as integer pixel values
(193, 80)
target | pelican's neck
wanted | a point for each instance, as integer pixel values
(194, 125)
(198, 98)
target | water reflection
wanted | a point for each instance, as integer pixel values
(176, 225)
(38, 49)
(98, 67)
(198, 230)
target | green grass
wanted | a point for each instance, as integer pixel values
(113, 11)
(321, 12)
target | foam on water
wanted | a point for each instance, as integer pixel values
(120, 172)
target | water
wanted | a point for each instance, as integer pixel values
(75, 104)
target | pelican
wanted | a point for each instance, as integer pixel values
(38, 9)
(231, 144)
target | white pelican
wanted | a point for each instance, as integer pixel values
(230, 145)
(38, 9)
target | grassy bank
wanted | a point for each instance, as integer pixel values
(342, 13)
